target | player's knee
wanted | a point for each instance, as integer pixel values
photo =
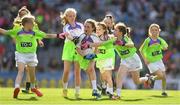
(137, 81)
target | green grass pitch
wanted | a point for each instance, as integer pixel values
(52, 96)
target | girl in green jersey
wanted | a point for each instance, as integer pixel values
(151, 51)
(130, 61)
(18, 24)
(105, 58)
(26, 47)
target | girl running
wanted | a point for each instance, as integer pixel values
(26, 47)
(151, 51)
(69, 56)
(88, 53)
(130, 61)
(18, 24)
(105, 58)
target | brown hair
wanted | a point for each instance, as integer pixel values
(104, 26)
(123, 28)
(27, 18)
(92, 22)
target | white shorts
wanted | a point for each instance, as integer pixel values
(105, 64)
(133, 63)
(158, 65)
(29, 59)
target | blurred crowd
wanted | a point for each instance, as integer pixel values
(138, 14)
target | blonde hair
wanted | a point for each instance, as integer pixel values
(18, 19)
(153, 25)
(63, 15)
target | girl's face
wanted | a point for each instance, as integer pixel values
(117, 33)
(154, 31)
(22, 13)
(88, 29)
(71, 17)
(99, 30)
(29, 25)
(108, 22)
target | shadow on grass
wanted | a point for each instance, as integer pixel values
(131, 99)
(86, 99)
(158, 96)
(28, 99)
(102, 99)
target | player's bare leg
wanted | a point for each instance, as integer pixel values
(27, 86)
(65, 78)
(122, 72)
(161, 75)
(33, 81)
(92, 76)
(18, 80)
(136, 77)
(77, 72)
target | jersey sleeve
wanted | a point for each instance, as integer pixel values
(129, 41)
(65, 28)
(13, 32)
(163, 43)
(144, 46)
(40, 34)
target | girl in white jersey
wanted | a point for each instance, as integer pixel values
(75, 29)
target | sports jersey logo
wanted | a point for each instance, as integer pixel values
(124, 52)
(156, 53)
(26, 44)
(102, 51)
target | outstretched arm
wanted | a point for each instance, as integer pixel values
(61, 35)
(3, 31)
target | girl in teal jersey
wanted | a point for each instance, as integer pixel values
(26, 47)
(69, 56)
(151, 51)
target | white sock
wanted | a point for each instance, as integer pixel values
(65, 85)
(111, 90)
(32, 85)
(163, 90)
(143, 79)
(104, 85)
(94, 85)
(118, 90)
(107, 89)
(17, 85)
(77, 88)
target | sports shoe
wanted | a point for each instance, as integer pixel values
(164, 94)
(37, 92)
(25, 91)
(16, 92)
(77, 95)
(96, 94)
(65, 91)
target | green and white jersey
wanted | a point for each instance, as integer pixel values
(26, 40)
(124, 51)
(152, 49)
(106, 50)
